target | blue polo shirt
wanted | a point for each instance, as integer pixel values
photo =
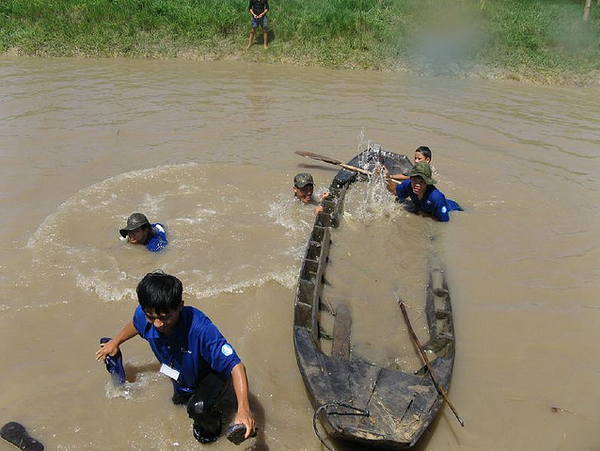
(195, 347)
(158, 240)
(434, 203)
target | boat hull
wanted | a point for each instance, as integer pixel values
(354, 399)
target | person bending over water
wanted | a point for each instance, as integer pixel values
(426, 198)
(199, 360)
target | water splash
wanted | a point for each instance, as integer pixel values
(370, 202)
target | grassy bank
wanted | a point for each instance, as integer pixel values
(540, 40)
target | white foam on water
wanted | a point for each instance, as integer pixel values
(211, 287)
(225, 242)
(291, 214)
(138, 391)
(370, 202)
(103, 285)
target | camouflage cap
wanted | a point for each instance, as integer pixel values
(303, 179)
(423, 170)
(134, 221)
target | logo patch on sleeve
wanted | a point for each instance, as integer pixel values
(444, 209)
(226, 350)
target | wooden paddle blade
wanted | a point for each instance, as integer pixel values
(316, 156)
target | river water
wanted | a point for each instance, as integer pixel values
(208, 150)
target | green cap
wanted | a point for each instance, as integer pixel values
(134, 221)
(423, 170)
(303, 179)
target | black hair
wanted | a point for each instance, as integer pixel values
(159, 292)
(426, 151)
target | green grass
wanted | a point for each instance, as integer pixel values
(552, 36)
(545, 40)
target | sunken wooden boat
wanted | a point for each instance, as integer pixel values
(354, 399)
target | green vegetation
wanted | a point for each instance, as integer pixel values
(541, 40)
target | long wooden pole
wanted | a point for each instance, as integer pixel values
(426, 361)
(330, 160)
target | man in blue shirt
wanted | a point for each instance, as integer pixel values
(192, 352)
(139, 231)
(426, 198)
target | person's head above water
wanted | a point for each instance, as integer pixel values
(304, 187)
(137, 230)
(422, 170)
(423, 153)
(420, 178)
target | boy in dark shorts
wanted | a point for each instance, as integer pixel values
(258, 10)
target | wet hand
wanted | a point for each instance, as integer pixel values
(246, 419)
(108, 348)
(380, 169)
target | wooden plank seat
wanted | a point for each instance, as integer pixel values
(341, 333)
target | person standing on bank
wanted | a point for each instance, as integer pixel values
(199, 360)
(139, 231)
(258, 10)
(426, 198)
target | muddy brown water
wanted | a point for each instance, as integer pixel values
(208, 149)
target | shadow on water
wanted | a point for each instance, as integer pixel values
(133, 371)
(228, 406)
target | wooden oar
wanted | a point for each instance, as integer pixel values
(426, 361)
(330, 160)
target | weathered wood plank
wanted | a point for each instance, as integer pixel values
(341, 332)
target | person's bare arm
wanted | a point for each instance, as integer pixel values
(391, 185)
(240, 387)
(399, 177)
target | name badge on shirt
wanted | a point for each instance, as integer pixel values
(171, 372)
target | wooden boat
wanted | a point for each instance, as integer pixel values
(355, 399)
